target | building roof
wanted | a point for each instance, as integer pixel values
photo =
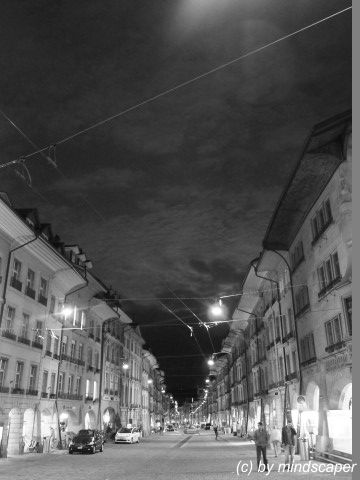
(321, 156)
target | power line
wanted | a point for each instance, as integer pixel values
(201, 322)
(183, 84)
(49, 160)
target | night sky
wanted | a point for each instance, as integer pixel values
(172, 198)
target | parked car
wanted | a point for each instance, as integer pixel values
(127, 435)
(192, 430)
(170, 428)
(87, 441)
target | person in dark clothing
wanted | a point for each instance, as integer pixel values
(216, 432)
(288, 440)
(261, 439)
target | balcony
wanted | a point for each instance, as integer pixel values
(91, 335)
(23, 340)
(106, 391)
(335, 346)
(74, 396)
(97, 339)
(48, 353)
(52, 395)
(302, 310)
(55, 356)
(288, 336)
(278, 339)
(29, 292)
(291, 376)
(37, 344)
(90, 368)
(31, 392)
(8, 333)
(44, 395)
(328, 287)
(43, 300)
(308, 362)
(4, 389)
(268, 347)
(15, 283)
(88, 399)
(18, 391)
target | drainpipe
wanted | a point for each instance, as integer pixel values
(60, 361)
(281, 330)
(247, 390)
(7, 274)
(295, 323)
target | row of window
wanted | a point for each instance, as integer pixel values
(31, 282)
(319, 223)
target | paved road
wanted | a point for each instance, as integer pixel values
(167, 457)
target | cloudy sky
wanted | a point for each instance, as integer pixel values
(174, 197)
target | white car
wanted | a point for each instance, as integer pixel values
(127, 435)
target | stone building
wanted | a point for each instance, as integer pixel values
(293, 324)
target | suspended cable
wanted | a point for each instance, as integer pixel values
(184, 84)
(50, 158)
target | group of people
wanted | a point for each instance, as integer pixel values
(284, 439)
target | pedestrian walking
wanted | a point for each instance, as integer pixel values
(261, 439)
(275, 439)
(216, 432)
(288, 439)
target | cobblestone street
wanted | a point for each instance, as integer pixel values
(165, 457)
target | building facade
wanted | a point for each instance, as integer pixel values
(64, 343)
(289, 350)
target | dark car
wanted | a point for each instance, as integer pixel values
(170, 428)
(87, 441)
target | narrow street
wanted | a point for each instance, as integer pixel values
(172, 456)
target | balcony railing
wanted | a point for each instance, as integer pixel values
(335, 346)
(8, 333)
(44, 395)
(56, 356)
(88, 399)
(24, 340)
(52, 395)
(270, 345)
(291, 376)
(48, 353)
(302, 310)
(15, 283)
(30, 292)
(4, 389)
(37, 344)
(309, 361)
(43, 300)
(90, 368)
(329, 286)
(18, 391)
(288, 336)
(31, 392)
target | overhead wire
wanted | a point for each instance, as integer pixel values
(196, 316)
(184, 84)
(51, 148)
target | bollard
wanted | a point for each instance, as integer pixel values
(304, 449)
